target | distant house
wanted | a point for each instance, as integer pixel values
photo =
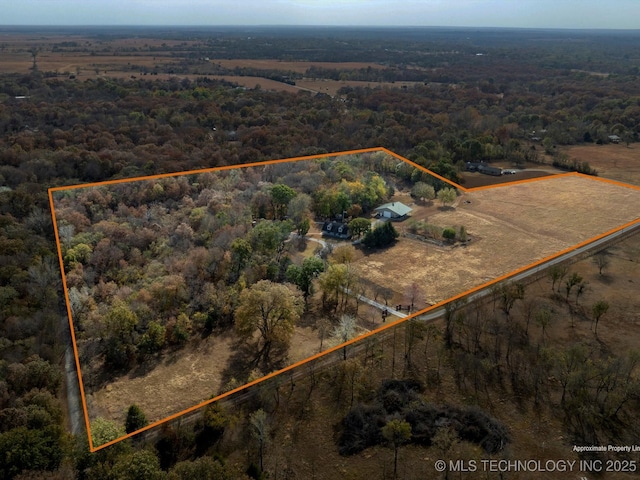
(393, 210)
(336, 230)
(483, 168)
(487, 170)
(614, 139)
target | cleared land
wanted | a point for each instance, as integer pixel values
(252, 82)
(615, 161)
(476, 179)
(127, 57)
(514, 226)
(84, 65)
(298, 67)
(330, 87)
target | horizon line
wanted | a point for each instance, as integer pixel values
(301, 25)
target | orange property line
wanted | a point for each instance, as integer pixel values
(215, 169)
(93, 448)
(73, 332)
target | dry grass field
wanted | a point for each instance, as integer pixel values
(293, 66)
(92, 61)
(513, 226)
(617, 162)
(331, 87)
(127, 56)
(82, 64)
(252, 82)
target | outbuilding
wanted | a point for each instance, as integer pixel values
(393, 210)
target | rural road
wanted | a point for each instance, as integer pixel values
(376, 304)
(317, 240)
(76, 415)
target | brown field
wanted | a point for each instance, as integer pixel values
(331, 87)
(252, 82)
(181, 379)
(529, 171)
(84, 66)
(477, 179)
(298, 67)
(617, 162)
(122, 62)
(71, 63)
(514, 226)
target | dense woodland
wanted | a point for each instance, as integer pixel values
(568, 88)
(149, 263)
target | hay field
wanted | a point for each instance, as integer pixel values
(512, 226)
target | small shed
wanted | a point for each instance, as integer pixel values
(393, 210)
(614, 139)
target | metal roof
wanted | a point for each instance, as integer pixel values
(398, 208)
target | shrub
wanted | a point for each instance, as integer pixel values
(380, 236)
(136, 419)
(401, 399)
(361, 429)
(449, 233)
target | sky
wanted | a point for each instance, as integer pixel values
(612, 14)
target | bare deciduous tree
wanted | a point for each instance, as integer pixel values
(601, 260)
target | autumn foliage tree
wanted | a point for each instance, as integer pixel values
(447, 195)
(396, 432)
(423, 191)
(120, 324)
(271, 309)
(281, 195)
(359, 226)
(303, 275)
